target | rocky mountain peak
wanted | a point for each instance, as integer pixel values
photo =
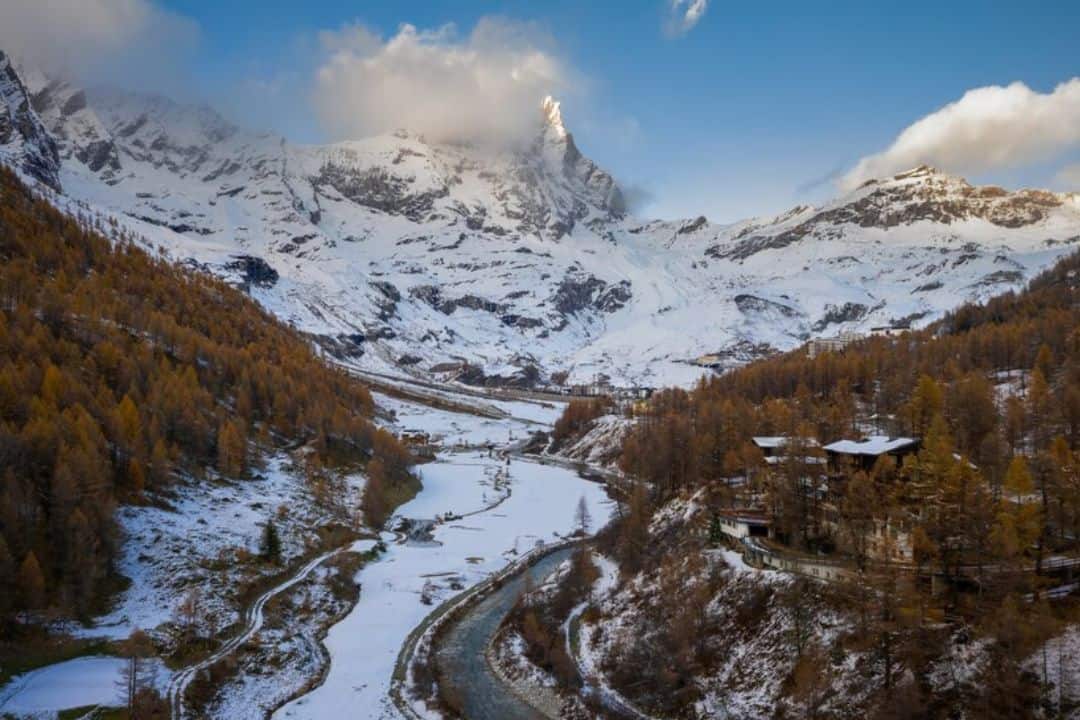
(79, 132)
(925, 193)
(551, 111)
(915, 173)
(25, 143)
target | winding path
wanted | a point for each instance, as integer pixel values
(253, 621)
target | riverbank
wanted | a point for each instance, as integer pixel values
(364, 647)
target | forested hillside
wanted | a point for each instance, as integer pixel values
(119, 373)
(990, 382)
(944, 577)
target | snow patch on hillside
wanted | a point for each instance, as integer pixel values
(196, 539)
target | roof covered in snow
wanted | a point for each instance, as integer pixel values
(873, 445)
(780, 441)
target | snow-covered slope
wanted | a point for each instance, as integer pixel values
(401, 253)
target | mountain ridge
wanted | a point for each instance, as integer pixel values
(404, 255)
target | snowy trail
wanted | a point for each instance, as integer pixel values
(253, 621)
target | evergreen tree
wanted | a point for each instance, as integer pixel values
(7, 580)
(270, 546)
(716, 531)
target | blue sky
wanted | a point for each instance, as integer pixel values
(757, 107)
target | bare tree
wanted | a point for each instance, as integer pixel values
(137, 673)
(582, 518)
(189, 614)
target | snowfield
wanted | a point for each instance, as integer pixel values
(364, 646)
(75, 683)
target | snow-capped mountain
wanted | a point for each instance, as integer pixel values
(399, 252)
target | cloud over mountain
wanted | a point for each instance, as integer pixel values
(485, 87)
(989, 128)
(123, 41)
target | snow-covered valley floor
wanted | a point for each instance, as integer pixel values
(540, 508)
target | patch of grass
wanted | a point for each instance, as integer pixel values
(189, 653)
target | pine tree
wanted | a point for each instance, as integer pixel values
(858, 513)
(1018, 522)
(81, 561)
(716, 531)
(136, 477)
(31, 583)
(926, 403)
(1018, 482)
(232, 449)
(128, 426)
(7, 580)
(160, 464)
(374, 502)
(270, 547)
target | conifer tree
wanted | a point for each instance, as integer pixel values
(926, 403)
(716, 531)
(1018, 524)
(7, 580)
(232, 450)
(31, 583)
(270, 546)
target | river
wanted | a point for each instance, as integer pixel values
(539, 509)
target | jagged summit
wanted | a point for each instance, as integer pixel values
(552, 114)
(402, 254)
(923, 170)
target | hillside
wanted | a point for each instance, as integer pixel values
(458, 262)
(124, 379)
(931, 580)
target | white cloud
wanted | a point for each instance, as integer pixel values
(483, 88)
(121, 40)
(683, 15)
(989, 128)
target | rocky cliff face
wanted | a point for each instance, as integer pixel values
(24, 142)
(517, 263)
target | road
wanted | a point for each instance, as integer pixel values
(461, 653)
(253, 621)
